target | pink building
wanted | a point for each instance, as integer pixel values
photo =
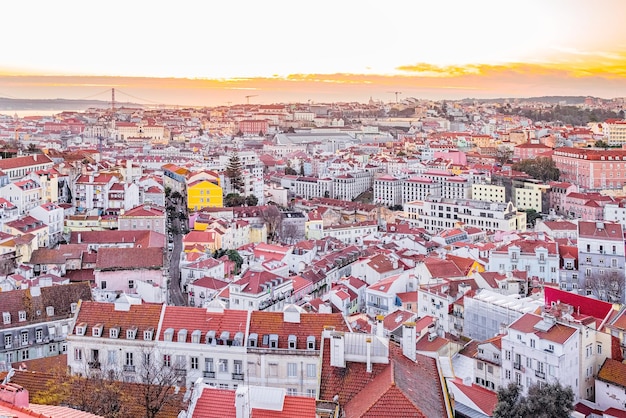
(586, 206)
(592, 169)
(556, 194)
(530, 150)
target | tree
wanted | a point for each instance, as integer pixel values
(273, 219)
(542, 168)
(161, 379)
(531, 216)
(503, 154)
(608, 286)
(548, 400)
(168, 191)
(290, 233)
(601, 144)
(233, 255)
(176, 196)
(234, 171)
(290, 171)
(251, 200)
(302, 168)
(234, 199)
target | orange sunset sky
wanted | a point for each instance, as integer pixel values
(212, 53)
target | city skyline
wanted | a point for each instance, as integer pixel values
(212, 54)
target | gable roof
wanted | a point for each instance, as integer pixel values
(129, 258)
(205, 320)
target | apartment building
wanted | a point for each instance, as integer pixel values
(488, 192)
(614, 131)
(144, 217)
(539, 258)
(436, 214)
(388, 190)
(590, 168)
(601, 259)
(537, 350)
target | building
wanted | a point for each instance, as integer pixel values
(144, 217)
(388, 190)
(601, 259)
(283, 349)
(36, 321)
(436, 214)
(531, 196)
(537, 349)
(18, 167)
(52, 215)
(538, 257)
(614, 131)
(204, 194)
(258, 289)
(25, 194)
(488, 192)
(592, 169)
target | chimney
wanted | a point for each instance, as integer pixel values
(14, 394)
(80, 238)
(380, 329)
(242, 402)
(409, 340)
(337, 350)
(34, 157)
(368, 342)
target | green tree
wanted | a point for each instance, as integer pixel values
(251, 200)
(550, 400)
(542, 168)
(531, 216)
(302, 168)
(234, 199)
(234, 171)
(235, 257)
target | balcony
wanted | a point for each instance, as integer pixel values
(237, 376)
(378, 305)
(517, 366)
(540, 374)
(208, 375)
(129, 368)
(94, 365)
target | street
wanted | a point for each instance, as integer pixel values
(176, 295)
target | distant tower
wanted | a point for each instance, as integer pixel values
(113, 100)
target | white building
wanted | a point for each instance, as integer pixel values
(538, 257)
(537, 350)
(259, 290)
(52, 215)
(388, 190)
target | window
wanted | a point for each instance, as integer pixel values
(237, 366)
(21, 316)
(131, 284)
(111, 357)
(223, 365)
(311, 393)
(103, 285)
(24, 355)
(292, 369)
(114, 332)
(78, 354)
(273, 341)
(24, 338)
(50, 310)
(311, 370)
(6, 318)
(292, 392)
(273, 369)
(167, 360)
(39, 335)
(131, 333)
(194, 363)
(507, 355)
(129, 359)
(147, 334)
(479, 365)
(599, 349)
(208, 365)
(292, 341)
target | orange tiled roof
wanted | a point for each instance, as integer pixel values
(191, 319)
(613, 371)
(144, 317)
(311, 324)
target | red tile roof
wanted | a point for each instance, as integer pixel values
(402, 388)
(204, 320)
(129, 258)
(144, 316)
(558, 333)
(311, 324)
(613, 371)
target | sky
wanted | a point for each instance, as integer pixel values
(219, 52)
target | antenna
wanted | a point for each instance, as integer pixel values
(396, 93)
(248, 97)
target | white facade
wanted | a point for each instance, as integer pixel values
(53, 216)
(533, 354)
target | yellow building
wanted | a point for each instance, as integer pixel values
(204, 194)
(488, 193)
(530, 196)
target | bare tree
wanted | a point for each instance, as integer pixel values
(608, 287)
(161, 378)
(289, 233)
(273, 219)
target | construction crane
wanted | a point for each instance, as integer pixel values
(248, 97)
(396, 93)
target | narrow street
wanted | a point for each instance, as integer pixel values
(176, 295)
